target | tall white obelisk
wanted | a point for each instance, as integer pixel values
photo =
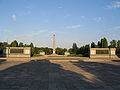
(54, 46)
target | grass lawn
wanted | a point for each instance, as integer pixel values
(37, 55)
(76, 55)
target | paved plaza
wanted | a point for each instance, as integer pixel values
(50, 74)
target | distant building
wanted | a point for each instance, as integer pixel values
(103, 53)
(67, 53)
(42, 53)
(17, 52)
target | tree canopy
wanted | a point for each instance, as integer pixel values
(60, 51)
(21, 44)
(93, 45)
(113, 44)
(14, 44)
(104, 43)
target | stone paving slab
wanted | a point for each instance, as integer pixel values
(53, 75)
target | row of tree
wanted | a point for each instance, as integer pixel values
(84, 50)
(34, 50)
(103, 43)
(21, 44)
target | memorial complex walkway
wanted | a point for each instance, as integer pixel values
(56, 74)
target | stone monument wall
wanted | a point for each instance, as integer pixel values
(17, 52)
(103, 53)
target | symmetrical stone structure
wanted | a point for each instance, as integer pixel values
(17, 52)
(103, 53)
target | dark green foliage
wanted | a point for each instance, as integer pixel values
(31, 45)
(70, 51)
(118, 44)
(60, 51)
(37, 55)
(76, 55)
(113, 44)
(21, 44)
(1, 48)
(75, 48)
(118, 48)
(99, 44)
(26, 45)
(14, 44)
(93, 45)
(104, 43)
(47, 50)
(84, 50)
(35, 50)
(3, 45)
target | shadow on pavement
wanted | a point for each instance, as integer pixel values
(116, 60)
(42, 74)
(2, 60)
(109, 74)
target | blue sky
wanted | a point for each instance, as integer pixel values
(80, 21)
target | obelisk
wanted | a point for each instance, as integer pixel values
(54, 46)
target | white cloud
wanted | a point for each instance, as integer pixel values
(114, 4)
(13, 17)
(97, 19)
(73, 26)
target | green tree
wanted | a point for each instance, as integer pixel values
(35, 50)
(1, 48)
(60, 51)
(104, 43)
(21, 44)
(118, 48)
(70, 51)
(26, 45)
(84, 50)
(75, 48)
(87, 50)
(113, 44)
(5, 44)
(47, 50)
(93, 45)
(99, 44)
(14, 44)
(31, 45)
(118, 44)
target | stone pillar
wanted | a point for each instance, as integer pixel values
(54, 46)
